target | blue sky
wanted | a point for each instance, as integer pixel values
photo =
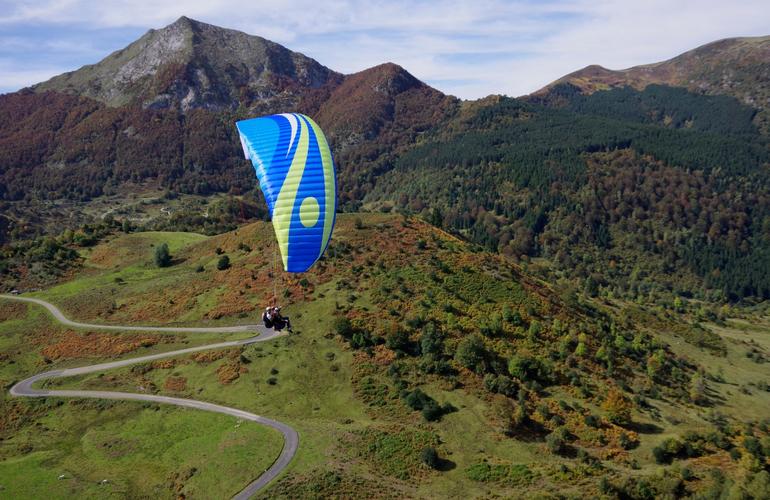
(466, 48)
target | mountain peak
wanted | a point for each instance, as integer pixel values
(183, 20)
(190, 64)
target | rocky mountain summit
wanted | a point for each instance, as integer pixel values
(190, 64)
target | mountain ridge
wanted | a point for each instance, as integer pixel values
(738, 67)
(192, 64)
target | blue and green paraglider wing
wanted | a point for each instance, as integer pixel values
(295, 170)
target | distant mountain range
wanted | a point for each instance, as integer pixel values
(529, 177)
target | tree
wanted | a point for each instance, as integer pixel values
(398, 340)
(697, 388)
(223, 263)
(526, 368)
(162, 255)
(472, 353)
(431, 341)
(618, 407)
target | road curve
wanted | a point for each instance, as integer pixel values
(291, 438)
(56, 313)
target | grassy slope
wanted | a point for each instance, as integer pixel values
(139, 449)
(315, 374)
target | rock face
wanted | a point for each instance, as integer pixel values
(190, 64)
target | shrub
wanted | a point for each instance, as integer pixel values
(592, 420)
(492, 327)
(625, 441)
(199, 268)
(669, 449)
(343, 327)
(162, 255)
(431, 341)
(557, 440)
(527, 368)
(398, 340)
(472, 353)
(430, 409)
(360, 340)
(618, 407)
(500, 384)
(223, 263)
(429, 457)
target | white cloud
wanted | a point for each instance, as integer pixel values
(532, 42)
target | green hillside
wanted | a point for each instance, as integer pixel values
(421, 366)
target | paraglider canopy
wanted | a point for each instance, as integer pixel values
(294, 166)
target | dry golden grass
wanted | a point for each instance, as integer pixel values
(70, 344)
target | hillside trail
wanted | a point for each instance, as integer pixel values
(290, 436)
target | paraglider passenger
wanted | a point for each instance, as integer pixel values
(267, 317)
(279, 322)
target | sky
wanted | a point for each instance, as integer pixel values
(467, 48)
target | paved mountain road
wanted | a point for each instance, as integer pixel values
(291, 438)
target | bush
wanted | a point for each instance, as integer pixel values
(429, 457)
(430, 409)
(618, 407)
(398, 340)
(557, 440)
(528, 368)
(625, 441)
(199, 268)
(669, 449)
(472, 353)
(493, 327)
(223, 263)
(431, 340)
(343, 327)
(162, 255)
(500, 384)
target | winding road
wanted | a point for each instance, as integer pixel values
(290, 436)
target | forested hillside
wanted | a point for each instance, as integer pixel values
(638, 191)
